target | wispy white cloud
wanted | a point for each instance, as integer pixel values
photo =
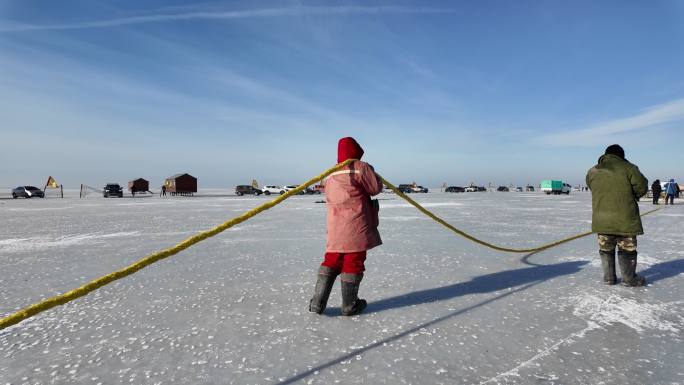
(225, 15)
(648, 119)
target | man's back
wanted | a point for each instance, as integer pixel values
(616, 184)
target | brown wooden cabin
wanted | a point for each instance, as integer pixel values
(138, 185)
(181, 184)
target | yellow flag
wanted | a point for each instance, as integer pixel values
(52, 183)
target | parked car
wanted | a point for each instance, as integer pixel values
(311, 191)
(307, 190)
(319, 188)
(268, 190)
(112, 190)
(291, 187)
(246, 189)
(405, 188)
(519, 189)
(473, 188)
(419, 189)
(502, 189)
(27, 192)
(455, 189)
(529, 188)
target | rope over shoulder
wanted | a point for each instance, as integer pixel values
(97, 283)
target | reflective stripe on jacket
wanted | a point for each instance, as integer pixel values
(352, 219)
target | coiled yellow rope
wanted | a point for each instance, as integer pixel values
(162, 254)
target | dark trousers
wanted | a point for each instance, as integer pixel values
(655, 198)
(669, 197)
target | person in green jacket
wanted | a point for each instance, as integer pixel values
(616, 186)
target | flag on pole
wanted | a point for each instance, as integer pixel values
(51, 182)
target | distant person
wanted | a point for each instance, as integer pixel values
(616, 185)
(670, 191)
(656, 189)
(163, 190)
(352, 229)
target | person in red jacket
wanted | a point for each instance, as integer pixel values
(352, 229)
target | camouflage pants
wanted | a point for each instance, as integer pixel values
(607, 242)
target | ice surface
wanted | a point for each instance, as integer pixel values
(233, 309)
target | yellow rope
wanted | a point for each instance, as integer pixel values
(481, 242)
(162, 254)
(154, 257)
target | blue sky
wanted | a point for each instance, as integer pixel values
(230, 91)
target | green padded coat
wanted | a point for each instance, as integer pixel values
(616, 185)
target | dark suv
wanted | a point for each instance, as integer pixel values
(245, 189)
(112, 190)
(405, 188)
(455, 189)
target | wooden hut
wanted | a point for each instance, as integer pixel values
(181, 184)
(138, 185)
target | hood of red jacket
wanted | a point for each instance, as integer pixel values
(348, 148)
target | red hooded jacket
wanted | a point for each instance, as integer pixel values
(348, 148)
(352, 219)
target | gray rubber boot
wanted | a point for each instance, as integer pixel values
(628, 263)
(608, 263)
(324, 284)
(351, 304)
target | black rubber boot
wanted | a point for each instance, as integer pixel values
(608, 263)
(628, 263)
(324, 284)
(351, 304)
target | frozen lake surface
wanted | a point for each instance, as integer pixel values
(233, 309)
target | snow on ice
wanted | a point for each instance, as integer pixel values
(233, 309)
